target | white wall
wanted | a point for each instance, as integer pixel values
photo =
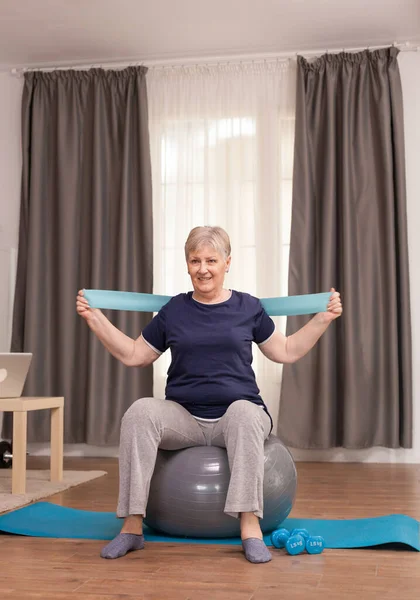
(10, 165)
(10, 170)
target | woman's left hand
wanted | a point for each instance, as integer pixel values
(334, 308)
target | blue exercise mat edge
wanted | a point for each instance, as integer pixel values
(43, 519)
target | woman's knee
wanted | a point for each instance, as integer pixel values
(243, 413)
(142, 409)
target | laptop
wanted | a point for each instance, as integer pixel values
(14, 367)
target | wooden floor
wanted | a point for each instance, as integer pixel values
(72, 570)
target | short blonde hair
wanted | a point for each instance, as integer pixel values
(216, 237)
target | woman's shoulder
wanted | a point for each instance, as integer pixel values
(175, 302)
(247, 300)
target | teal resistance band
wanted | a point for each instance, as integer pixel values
(306, 304)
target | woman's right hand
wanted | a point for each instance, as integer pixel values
(83, 308)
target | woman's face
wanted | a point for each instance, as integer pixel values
(207, 269)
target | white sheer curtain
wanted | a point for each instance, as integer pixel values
(222, 153)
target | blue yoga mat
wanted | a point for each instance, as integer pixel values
(44, 519)
(305, 304)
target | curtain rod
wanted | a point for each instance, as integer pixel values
(205, 61)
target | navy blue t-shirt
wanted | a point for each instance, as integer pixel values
(211, 347)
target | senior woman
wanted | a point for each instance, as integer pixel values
(212, 396)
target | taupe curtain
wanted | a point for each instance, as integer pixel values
(354, 389)
(86, 221)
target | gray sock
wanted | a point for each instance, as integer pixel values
(256, 551)
(123, 543)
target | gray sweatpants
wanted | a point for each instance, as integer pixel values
(150, 424)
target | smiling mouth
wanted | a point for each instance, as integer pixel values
(204, 278)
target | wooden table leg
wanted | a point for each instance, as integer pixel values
(20, 420)
(57, 440)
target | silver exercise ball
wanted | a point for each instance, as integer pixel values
(188, 491)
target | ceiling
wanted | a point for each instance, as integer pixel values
(58, 32)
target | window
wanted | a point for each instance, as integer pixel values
(222, 154)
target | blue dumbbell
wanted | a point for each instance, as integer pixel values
(315, 544)
(303, 532)
(279, 538)
(295, 544)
